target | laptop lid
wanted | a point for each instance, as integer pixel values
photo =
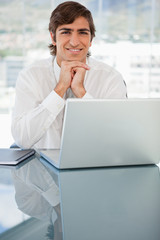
(110, 132)
(105, 132)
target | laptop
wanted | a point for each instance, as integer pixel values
(108, 132)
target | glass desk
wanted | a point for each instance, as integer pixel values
(37, 201)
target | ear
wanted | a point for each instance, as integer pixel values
(90, 43)
(52, 37)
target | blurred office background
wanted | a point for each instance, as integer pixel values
(127, 38)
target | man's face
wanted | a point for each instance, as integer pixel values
(72, 41)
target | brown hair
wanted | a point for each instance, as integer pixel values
(66, 13)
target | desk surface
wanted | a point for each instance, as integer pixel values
(39, 202)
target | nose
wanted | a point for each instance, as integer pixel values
(74, 40)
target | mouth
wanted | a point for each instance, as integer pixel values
(74, 50)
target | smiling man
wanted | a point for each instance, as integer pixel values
(72, 42)
(43, 87)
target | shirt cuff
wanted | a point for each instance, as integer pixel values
(87, 95)
(53, 102)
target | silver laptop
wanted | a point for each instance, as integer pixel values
(98, 133)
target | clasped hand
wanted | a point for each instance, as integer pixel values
(72, 76)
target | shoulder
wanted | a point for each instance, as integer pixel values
(97, 65)
(36, 73)
(38, 66)
(109, 81)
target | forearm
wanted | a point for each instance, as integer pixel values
(28, 127)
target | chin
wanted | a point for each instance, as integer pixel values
(76, 58)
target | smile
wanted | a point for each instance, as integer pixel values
(74, 50)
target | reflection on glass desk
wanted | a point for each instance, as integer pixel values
(118, 203)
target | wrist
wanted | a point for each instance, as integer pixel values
(60, 89)
(79, 92)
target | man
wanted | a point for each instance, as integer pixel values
(42, 88)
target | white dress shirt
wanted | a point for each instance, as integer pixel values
(38, 113)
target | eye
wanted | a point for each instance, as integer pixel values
(83, 33)
(65, 32)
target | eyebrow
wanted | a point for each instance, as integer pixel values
(79, 30)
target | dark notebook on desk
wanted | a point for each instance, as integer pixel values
(12, 157)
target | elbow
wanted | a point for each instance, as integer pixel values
(20, 136)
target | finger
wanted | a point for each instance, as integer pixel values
(73, 72)
(74, 64)
(78, 69)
